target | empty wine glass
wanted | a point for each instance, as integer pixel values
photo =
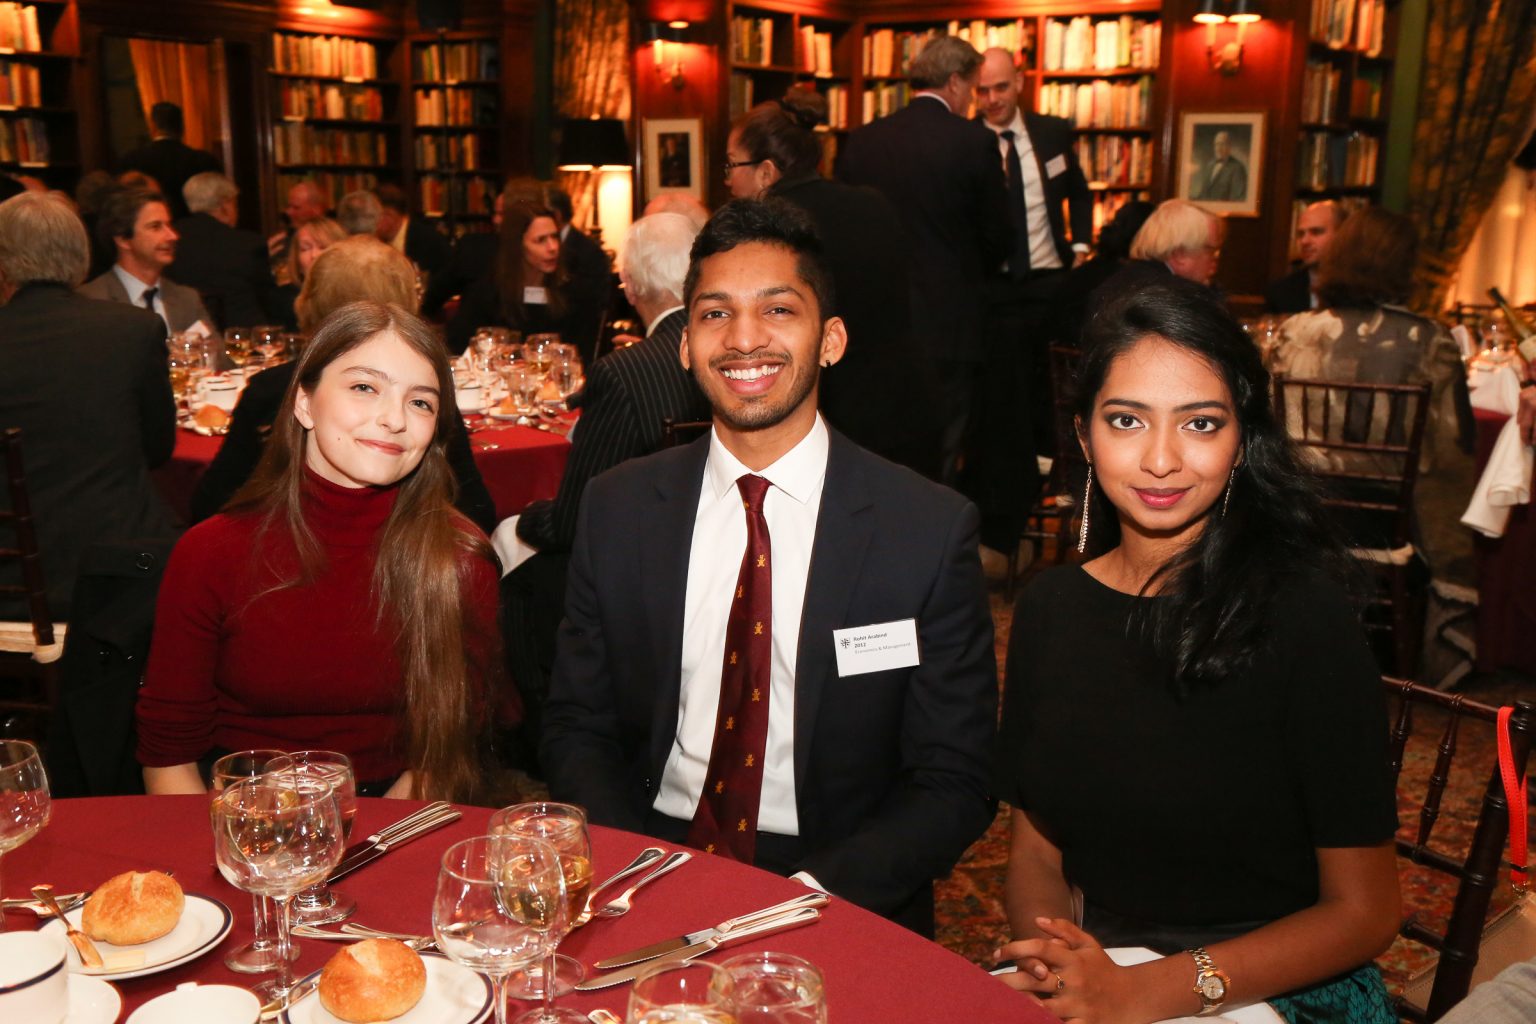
(260, 954)
(319, 904)
(277, 835)
(267, 341)
(564, 827)
(500, 905)
(24, 800)
(237, 344)
(690, 992)
(776, 988)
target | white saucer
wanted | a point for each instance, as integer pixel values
(204, 923)
(92, 1001)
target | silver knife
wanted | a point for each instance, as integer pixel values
(662, 948)
(422, 828)
(361, 849)
(297, 992)
(783, 922)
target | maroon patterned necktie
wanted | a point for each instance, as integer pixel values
(726, 819)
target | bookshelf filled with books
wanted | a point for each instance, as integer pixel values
(455, 86)
(39, 43)
(771, 49)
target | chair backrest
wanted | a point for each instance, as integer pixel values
(24, 552)
(1069, 467)
(1364, 440)
(676, 432)
(1477, 873)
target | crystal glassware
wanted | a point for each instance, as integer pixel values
(564, 827)
(237, 345)
(318, 904)
(24, 800)
(500, 905)
(277, 835)
(689, 992)
(260, 954)
(776, 988)
(267, 341)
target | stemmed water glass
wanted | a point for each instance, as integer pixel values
(267, 341)
(260, 954)
(319, 904)
(564, 827)
(500, 906)
(776, 988)
(24, 800)
(277, 835)
(237, 345)
(687, 992)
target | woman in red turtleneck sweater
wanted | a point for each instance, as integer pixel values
(341, 603)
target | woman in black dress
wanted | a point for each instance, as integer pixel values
(1194, 738)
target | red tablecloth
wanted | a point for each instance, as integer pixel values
(875, 970)
(1506, 576)
(520, 465)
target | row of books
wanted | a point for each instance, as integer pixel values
(888, 51)
(332, 184)
(1320, 85)
(752, 40)
(456, 62)
(21, 84)
(469, 195)
(332, 56)
(23, 140)
(837, 106)
(336, 102)
(18, 28)
(462, 107)
(1016, 36)
(454, 152)
(1331, 160)
(1114, 160)
(1105, 206)
(1099, 104)
(1365, 93)
(743, 96)
(816, 52)
(1084, 44)
(298, 143)
(1350, 24)
(885, 98)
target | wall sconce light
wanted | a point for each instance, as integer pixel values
(666, 47)
(1229, 58)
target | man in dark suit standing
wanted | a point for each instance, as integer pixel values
(942, 174)
(166, 158)
(1293, 293)
(87, 383)
(422, 243)
(777, 646)
(228, 266)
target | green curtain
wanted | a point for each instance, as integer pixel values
(1474, 107)
(591, 73)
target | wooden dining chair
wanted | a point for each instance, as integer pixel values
(1364, 442)
(29, 648)
(676, 432)
(1055, 514)
(1477, 871)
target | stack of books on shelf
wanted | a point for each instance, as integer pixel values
(1125, 103)
(453, 152)
(333, 185)
(741, 98)
(1350, 24)
(456, 62)
(1114, 160)
(1083, 44)
(752, 41)
(885, 98)
(1320, 92)
(1105, 206)
(1328, 160)
(1365, 93)
(297, 143)
(471, 196)
(325, 56)
(816, 51)
(837, 107)
(20, 85)
(1014, 36)
(23, 140)
(18, 28)
(455, 107)
(330, 101)
(889, 52)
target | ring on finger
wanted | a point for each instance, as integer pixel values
(1060, 982)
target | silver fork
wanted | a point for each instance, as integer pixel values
(620, 906)
(353, 932)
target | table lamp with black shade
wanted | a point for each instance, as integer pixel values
(593, 144)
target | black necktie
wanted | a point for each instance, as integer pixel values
(1018, 263)
(149, 298)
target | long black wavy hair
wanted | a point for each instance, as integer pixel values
(1216, 594)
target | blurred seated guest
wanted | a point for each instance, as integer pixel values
(1527, 412)
(226, 264)
(584, 259)
(139, 180)
(306, 202)
(352, 270)
(87, 383)
(166, 159)
(689, 206)
(421, 242)
(359, 212)
(311, 239)
(90, 193)
(1111, 253)
(1208, 637)
(527, 288)
(137, 224)
(341, 602)
(1509, 997)
(1179, 239)
(1296, 292)
(881, 395)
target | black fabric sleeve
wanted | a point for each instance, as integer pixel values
(236, 458)
(474, 498)
(1013, 733)
(157, 403)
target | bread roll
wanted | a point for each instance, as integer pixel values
(133, 907)
(211, 417)
(375, 979)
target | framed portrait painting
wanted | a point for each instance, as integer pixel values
(674, 156)
(1221, 161)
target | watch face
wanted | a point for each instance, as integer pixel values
(1213, 988)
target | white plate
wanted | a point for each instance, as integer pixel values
(204, 923)
(92, 1001)
(454, 995)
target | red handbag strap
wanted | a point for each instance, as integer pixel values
(1515, 796)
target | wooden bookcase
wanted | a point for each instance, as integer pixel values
(455, 88)
(39, 46)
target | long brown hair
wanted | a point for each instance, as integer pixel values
(517, 216)
(425, 554)
(1369, 261)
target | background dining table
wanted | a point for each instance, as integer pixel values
(875, 971)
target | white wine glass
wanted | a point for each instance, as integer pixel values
(500, 905)
(686, 992)
(276, 835)
(24, 801)
(237, 345)
(260, 954)
(776, 988)
(318, 904)
(564, 827)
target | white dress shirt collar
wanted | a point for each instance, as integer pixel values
(650, 328)
(398, 242)
(935, 96)
(1020, 136)
(798, 472)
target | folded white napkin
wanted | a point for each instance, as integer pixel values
(509, 547)
(1506, 481)
(1494, 388)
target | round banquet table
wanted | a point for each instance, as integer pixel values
(874, 970)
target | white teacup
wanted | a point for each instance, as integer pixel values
(191, 1003)
(221, 391)
(34, 983)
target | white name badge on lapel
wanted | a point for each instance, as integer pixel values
(877, 647)
(1055, 165)
(535, 295)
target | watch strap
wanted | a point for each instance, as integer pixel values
(1205, 967)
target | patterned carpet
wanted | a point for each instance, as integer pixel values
(969, 904)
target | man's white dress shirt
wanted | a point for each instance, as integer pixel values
(1042, 246)
(136, 290)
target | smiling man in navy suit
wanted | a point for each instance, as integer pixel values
(777, 646)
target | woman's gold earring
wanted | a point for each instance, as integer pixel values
(1082, 532)
(1227, 500)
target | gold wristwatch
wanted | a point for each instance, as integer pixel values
(1210, 981)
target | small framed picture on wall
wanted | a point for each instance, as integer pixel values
(674, 156)
(1221, 160)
